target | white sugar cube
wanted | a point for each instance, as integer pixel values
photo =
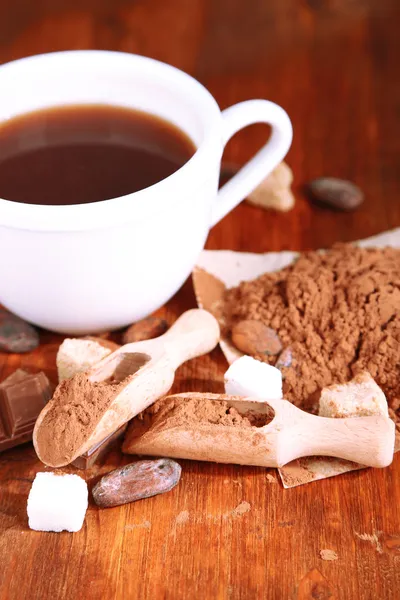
(361, 397)
(75, 356)
(253, 379)
(57, 502)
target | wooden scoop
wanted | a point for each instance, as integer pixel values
(292, 433)
(138, 374)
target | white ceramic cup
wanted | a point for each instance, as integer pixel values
(94, 267)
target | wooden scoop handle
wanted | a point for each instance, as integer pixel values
(195, 333)
(365, 440)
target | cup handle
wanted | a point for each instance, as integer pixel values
(252, 173)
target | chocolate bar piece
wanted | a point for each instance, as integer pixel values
(87, 460)
(22, 397)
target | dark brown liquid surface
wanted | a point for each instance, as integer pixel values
(81, 154)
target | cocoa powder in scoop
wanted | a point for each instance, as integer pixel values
(180, 411)
(338, 311)
(73, 413)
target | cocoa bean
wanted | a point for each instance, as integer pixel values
(15, 334)
(136, 481)
(253, 337)
(336, 193)
(146, 329)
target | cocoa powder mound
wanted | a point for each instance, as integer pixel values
(337, 310)
(74, 411)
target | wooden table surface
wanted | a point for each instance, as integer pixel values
(333, 65)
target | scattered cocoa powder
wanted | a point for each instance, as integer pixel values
(241, 509)
(337, 310)
(296, 473)
(73, 413)
(327, 554)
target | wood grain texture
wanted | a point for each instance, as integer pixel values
(227, 531)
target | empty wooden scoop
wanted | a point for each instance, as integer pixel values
(91, 405)
(271, 434)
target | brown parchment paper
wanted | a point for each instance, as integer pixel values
(217, 270)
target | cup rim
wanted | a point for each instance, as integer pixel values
(108, 213)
